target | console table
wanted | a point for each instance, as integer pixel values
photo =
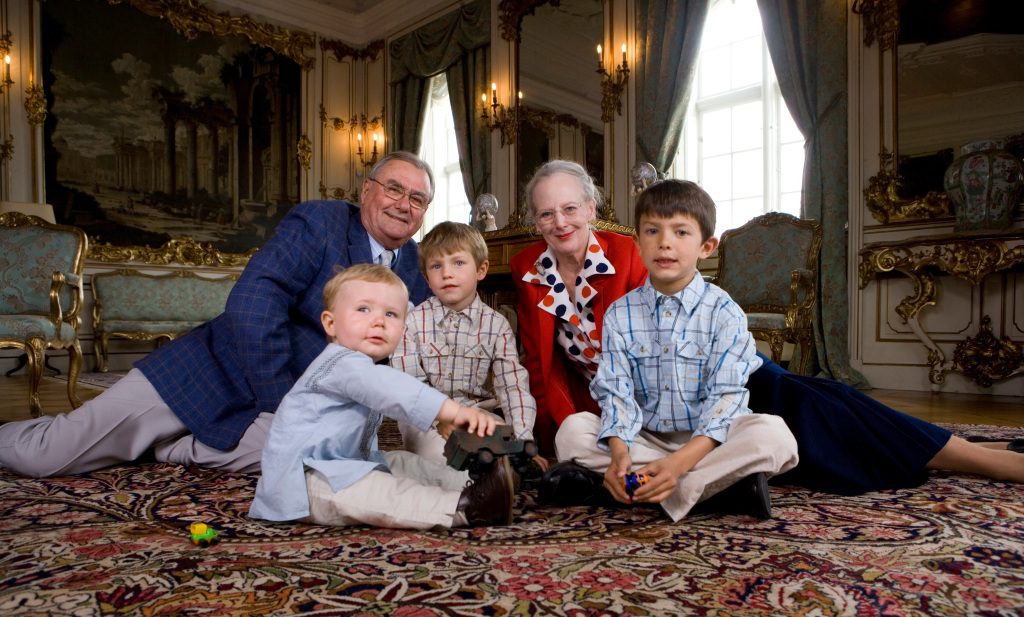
(984, 358)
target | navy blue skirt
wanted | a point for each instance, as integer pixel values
(848, 442)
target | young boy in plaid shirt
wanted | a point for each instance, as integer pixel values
(458, 344)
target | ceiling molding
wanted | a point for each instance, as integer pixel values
(382, 20)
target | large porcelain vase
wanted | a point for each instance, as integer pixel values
(985, 184)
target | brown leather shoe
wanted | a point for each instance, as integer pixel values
(489, 500)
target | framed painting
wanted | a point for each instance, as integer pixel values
(160, 136)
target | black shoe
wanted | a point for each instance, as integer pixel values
(748, 496)
(1016, 445)
(570, 484)
(489, 500)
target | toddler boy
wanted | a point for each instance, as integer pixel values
(321, 463)
(458, 344)
(676, 355)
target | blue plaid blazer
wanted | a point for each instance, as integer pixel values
(223, 374)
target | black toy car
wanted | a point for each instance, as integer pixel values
(467, 451)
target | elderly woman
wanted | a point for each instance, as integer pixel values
(848, 442)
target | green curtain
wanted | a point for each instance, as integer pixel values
(807, 43)
(668, 35)
(461, 37)
(467, 79)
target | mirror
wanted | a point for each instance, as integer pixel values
(557, 74)
(957, 77)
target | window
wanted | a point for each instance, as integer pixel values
(739, 140)
(440, 150)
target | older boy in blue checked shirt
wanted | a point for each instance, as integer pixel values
(676, 355)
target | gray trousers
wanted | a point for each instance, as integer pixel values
(116, 427)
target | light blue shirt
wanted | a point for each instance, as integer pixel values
(328, 422)
(673, 363)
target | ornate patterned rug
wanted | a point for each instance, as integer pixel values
(116, 542)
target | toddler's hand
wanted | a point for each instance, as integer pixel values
(445, 428)
(474, 420)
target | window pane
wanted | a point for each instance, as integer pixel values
(742, 211)
(788, 131)
(790, 203)
(748, 174)
(440, 150)
(746, 62)
(716, 132)
(791, 165)
(716, 177)
(747, 129)
(714, 71)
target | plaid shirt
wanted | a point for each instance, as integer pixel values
(457, 352)
(674, 363)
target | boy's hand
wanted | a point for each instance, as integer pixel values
(617, 470)
(662, 480)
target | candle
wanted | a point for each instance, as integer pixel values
(600, 58)
(7, 68)
(374, 143)
(494, 94)
(623, 54)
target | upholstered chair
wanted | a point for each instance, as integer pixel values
(770, 268)
(41, 294)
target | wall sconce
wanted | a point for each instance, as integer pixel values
(501, 118)
(366, 162)
(612, 86)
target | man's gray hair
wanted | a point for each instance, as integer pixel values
(412, 159)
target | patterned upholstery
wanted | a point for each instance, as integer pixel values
(130, 304)
(770, 267)
(41, 294)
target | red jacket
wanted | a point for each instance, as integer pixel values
(560, 389)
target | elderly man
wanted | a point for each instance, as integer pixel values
(208, 398)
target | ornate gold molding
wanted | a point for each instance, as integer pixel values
(511, 14)
(35, 106)
(190, 17)
(184, 251)
(881, 21)
(361, 121)
(885, 204)
(970, 257)
(304, 152)
(341, 51)
(987, 359)
(335, 192)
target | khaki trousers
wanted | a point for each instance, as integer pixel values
(757, 442)
(417, 494)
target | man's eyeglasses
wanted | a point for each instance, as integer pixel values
(570, 211)
(396, 191)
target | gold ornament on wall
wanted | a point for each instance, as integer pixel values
(190, 17)
(304, 152)
(35, 106)
(178, 251)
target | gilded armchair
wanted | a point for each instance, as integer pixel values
(41, 294)
(770, 268)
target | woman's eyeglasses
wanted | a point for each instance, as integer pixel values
(396, 191)
(568, 211)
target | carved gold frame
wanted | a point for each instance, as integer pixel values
(881, 21)
(189, 18)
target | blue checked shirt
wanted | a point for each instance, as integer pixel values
(673, 363)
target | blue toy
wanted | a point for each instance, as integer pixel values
(633, 481)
